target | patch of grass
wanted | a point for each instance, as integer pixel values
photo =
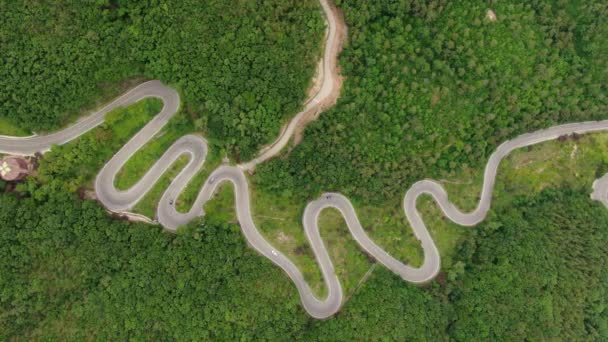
(148, 204)
(76, 164)
(8, 128)
(188, 196)
(446, 234)
(279, 219)
(126, 121)
(221, 206)
(350, 262)
(387, 226)
(574, 163)
(144, 158)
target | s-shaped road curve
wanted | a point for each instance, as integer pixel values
(196, 148)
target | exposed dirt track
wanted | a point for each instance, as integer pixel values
(334, 69)
(196, 148)
(329, 78)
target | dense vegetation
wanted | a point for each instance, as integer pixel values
(535, 270)
(433, 86)
(68, 270)
(241, 67)
(73, 166)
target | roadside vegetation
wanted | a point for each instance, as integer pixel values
(73, 166)
(571, 163)
(432, 87)
(526, 178)
(242, 68)
(70, 271)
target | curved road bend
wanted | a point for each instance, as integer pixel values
(42, 143)
(196, 148)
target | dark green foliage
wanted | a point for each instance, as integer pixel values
(534, 270)
(432, 87)
(70, 271)
(389, 309)
(538, 273)
(241, 66)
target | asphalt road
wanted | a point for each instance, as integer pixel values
(196, 148)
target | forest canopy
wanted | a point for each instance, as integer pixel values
(242, 67)
(433, 87)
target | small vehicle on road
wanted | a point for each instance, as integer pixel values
(211, 180)
(274, 252)
(171, 202)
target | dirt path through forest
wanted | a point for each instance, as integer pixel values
(324, 92)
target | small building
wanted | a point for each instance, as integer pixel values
(13, 168)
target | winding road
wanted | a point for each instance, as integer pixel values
(196, 148)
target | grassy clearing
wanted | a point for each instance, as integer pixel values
(388, 227)
(574, 163)
(143, 159)
(221, 206)
(188, 196)
(280, 221)
(350, 262)
(8, 128)
(148, 204)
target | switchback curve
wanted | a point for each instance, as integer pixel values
(196, 148)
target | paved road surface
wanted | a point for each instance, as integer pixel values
(196, 148)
